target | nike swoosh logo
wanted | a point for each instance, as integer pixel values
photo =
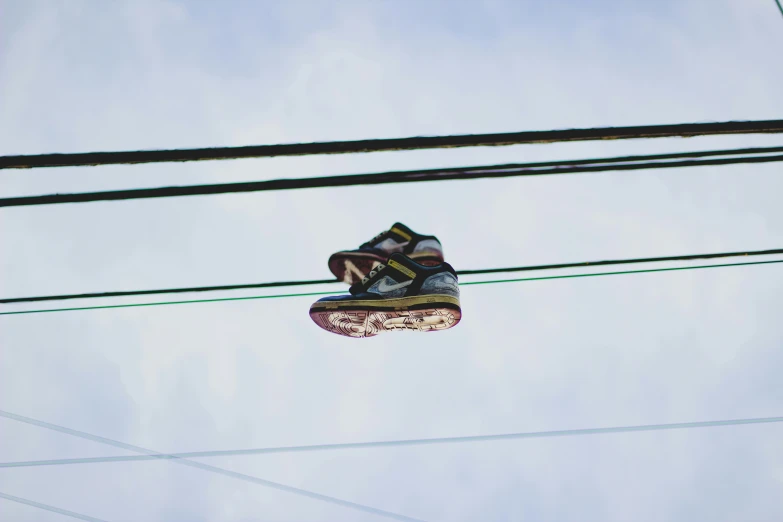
(391, 245)
(383, 287)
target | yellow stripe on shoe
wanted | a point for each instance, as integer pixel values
(402, 268)
(401, 233)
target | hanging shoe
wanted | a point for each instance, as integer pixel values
(351, 266)
(400, 294)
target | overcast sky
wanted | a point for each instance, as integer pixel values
(83, 75)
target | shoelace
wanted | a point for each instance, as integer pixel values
(373, 273)
(366, 279)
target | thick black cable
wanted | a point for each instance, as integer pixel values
(459, 173)
(530, 268)
(684, 130)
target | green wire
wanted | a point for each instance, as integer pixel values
(308, 294)
(618, 273)
(168, 303)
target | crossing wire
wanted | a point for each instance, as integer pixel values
(310, 294)
(397, 443)
(52, 509)
(277, 284)
(648, 162)
(780, 6)
(207, 467)
(684, 130)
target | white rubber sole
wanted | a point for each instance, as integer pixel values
(427, 313)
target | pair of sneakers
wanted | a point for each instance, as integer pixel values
(399, 281)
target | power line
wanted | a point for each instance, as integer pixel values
(53, 509)
(207, 467)
(413, 176)
(98, 295)
(625, 272)
(780, 6)
(311, 294)
(396, 443)
(684, 130)
(609, 262)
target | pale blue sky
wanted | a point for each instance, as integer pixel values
(89, 75)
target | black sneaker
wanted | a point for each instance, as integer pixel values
(351, 266)
(397, 295)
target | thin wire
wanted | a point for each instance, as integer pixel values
(207, 467)
(337, 292)
(619, 273)
(49, 508)
(395, 443)
(351, 180)
(780, 6)
(98, 295)
(609, 262)
(394, 144)
(130, 305)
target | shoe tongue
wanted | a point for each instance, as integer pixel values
(403, 260)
